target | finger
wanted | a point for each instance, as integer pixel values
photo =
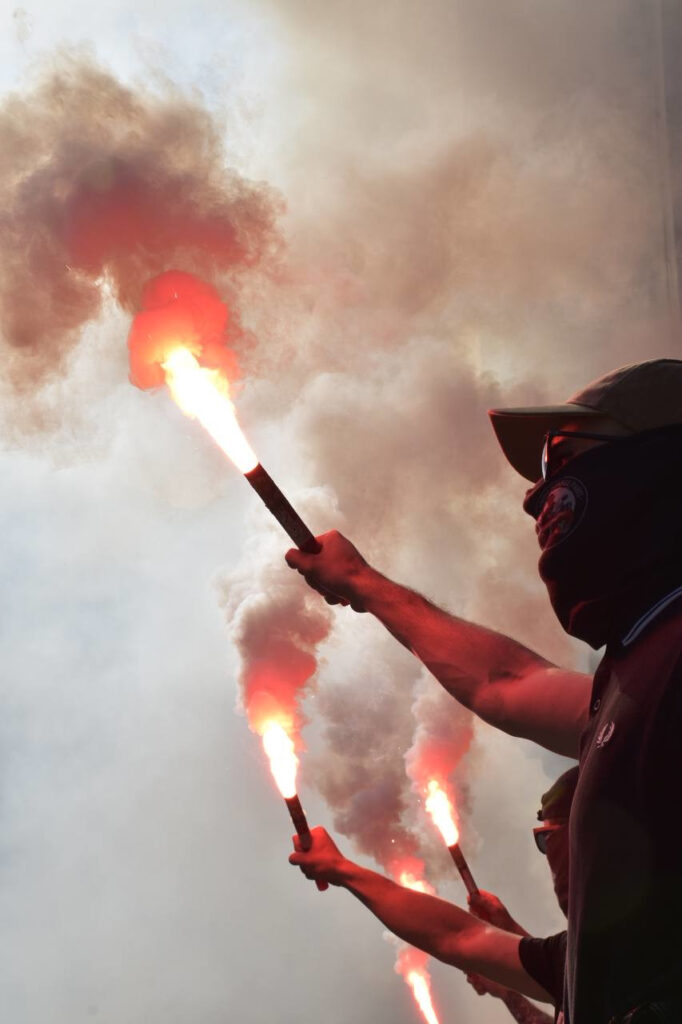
(305, 842)
(297, 559)
(296, 840)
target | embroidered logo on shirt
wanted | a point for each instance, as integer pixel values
(605, 733)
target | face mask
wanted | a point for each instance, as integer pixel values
(609, 525)
(557, 857)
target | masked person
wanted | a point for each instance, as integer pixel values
(488, 941)
(607, 502)
(543, 959)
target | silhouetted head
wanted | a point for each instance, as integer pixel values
(633, 399)
(551, 835)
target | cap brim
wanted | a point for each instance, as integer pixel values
(521, 432)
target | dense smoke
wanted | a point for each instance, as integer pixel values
(473, 219)
(103, 184)
(276, 626)
(442, 737)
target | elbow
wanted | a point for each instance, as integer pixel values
(490, 704)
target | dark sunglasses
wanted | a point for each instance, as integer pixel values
(541, 832)
(546, 462)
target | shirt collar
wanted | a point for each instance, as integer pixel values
(650, 615)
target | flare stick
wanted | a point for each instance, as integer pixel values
(463, 868)
(300, 823)
(285, 514)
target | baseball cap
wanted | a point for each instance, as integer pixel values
(555, 804)
(639, 397)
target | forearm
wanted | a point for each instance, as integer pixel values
(497, 678)
(523, 1011)
(441, 929)
(427, 922)
(465, 657)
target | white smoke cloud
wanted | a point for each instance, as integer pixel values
(470, 221)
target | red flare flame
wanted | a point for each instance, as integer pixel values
(442, 812)
(279, 747)
(409, 874)
(411, 964)
(178, 310)
(420, 983)
(179, 338)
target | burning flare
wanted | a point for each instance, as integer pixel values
(204, 395)
(442, 812)
(180, 337)
(411, 962)
(420, 983)
(410, 880)
(279, 747)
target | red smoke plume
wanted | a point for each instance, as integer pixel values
(276, 626)
(442, 737)
(179, 309)
(107, 183)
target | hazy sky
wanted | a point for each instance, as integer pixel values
(468, 211)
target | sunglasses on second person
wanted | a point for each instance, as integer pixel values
(542, 832)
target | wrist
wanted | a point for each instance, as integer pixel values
(367, 583)
(349, 874)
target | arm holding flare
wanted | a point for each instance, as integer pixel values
(440, 929)
(487, 907)
(500, 680)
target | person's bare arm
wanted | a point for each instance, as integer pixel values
(488, 907)
(441, 929)
(524, 1011)
(500, 680)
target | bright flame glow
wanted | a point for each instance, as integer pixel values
(279, 747)
(442, 812)
(420, 983)
(204, 395)
(410, 881)
(411, 962)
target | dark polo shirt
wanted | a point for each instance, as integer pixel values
(545, 961)
(625, 893)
